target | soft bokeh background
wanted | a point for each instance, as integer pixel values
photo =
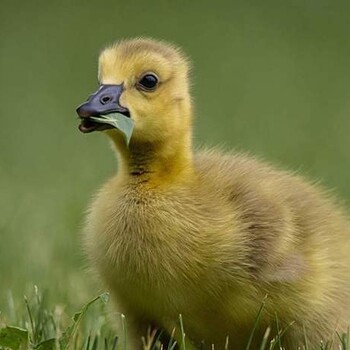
(270, 77)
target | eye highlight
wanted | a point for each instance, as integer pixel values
(148, 82)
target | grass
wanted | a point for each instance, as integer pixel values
(37, 326)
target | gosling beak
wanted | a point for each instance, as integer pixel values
(102, 102)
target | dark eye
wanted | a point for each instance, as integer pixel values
(148, 82)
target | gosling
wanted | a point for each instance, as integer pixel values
(204, 234)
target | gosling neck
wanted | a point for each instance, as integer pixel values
(156, 162)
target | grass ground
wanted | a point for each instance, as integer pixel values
(37, 325)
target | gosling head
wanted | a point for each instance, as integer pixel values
(145, 80)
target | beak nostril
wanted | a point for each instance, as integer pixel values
(105, 99)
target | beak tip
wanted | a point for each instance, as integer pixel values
(82, 111)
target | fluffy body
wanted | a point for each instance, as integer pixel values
(208, 235)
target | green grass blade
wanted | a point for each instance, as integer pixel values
(226, 343)
(172, 342)
(278, 332)
(265, 338)
(95, 343)
(183, 335)
(32, 336)
(49, 344)
(115, 343)
(124, 330)
(257, 319)
(70, 331)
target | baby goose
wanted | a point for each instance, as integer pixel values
(206, 235)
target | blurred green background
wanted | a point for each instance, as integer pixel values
(270, 77)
